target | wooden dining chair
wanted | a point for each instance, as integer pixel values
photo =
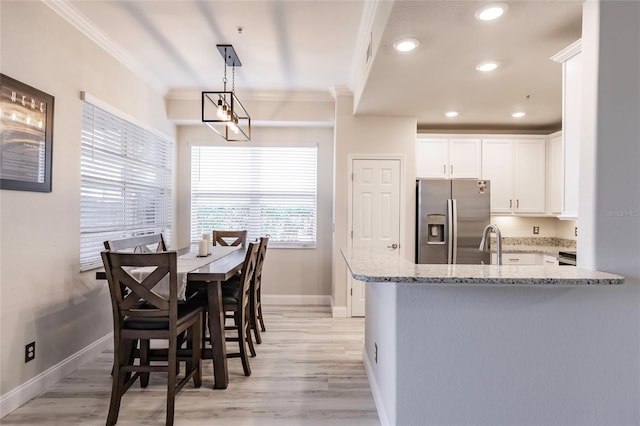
(230, 287)
(256, 317)
(153, 243)
(239, 302)
(229, 238)
(140, 314)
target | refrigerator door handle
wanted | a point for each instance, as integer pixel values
(454, 249)
(450, 231)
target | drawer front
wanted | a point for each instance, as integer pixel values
(515, 259)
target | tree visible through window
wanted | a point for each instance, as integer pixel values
(265, 190)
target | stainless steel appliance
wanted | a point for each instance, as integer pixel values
(567, 258)
(451, 215)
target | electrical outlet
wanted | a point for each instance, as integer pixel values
(536, 230)
(576, 231)
(375, 355)
(30, 352)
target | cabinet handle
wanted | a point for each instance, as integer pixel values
(444, 169)
(517, 203)
(549, 261)
(510, 204)
(514, 259)
(452, 169)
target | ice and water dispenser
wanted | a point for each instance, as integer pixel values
(435, 228)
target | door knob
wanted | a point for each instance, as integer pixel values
(393, 246)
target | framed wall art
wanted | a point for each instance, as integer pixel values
(26, 136)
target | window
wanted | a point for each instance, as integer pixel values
(265, 190)
(126, 179)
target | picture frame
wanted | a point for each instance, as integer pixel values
(26, 136)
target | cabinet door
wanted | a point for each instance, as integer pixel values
(464, 158)
(497, 166)
(432, 158)
(530, 158)
(555, 175)
(571, 132)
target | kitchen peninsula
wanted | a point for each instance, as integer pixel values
(447, 344)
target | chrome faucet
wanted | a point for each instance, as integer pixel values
(483, 243)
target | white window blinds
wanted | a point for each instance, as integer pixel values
(265, 190)
(126, 179)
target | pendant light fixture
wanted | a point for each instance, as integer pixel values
(222, 111)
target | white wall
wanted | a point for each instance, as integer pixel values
(370, 135)
(300, 272)
(43, 297)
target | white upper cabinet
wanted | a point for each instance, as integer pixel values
(448, 158)
(465, 156)
(530, 176)
(432, 158)
(517, 171)
(571, 61)
(497, 167)
(555, 174)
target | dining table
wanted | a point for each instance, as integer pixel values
(224, 262)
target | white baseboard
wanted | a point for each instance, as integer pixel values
(40, 383)
(295, 299)
(375, 390)
(339, 311)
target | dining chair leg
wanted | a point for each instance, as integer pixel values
(195, 337)
(253, 322)
(247, 327)
(262, 327)
(144, 360)
(242, 343)
(117, 385)
(171, 381)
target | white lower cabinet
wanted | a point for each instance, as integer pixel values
(517, 171)
(516, 259)
(525, 259)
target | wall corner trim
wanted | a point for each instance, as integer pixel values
(375, 391)
(40, 383)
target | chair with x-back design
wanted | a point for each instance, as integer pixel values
(141, 314)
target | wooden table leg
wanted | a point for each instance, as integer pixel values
(216, 331)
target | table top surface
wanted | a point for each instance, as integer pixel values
(225, 262)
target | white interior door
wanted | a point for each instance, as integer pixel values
(375, 213)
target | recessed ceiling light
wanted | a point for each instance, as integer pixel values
(451, 114)
(406, 44)
(487, 66)
(519, 114)
(491, 11)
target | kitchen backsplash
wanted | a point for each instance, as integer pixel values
(539, 241)
(548, 228)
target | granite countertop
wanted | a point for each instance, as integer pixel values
(382, 265)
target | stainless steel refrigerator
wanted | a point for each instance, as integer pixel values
(451, 215)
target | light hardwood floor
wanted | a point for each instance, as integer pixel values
(308, 371)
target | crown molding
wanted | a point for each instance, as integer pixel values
(77, 19)
(568, 52)
(340, 91)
